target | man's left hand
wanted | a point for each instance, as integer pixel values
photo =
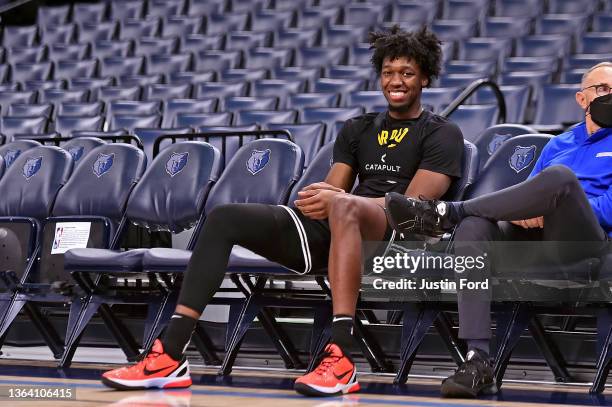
(314, 203)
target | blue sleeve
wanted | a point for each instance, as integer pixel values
(542, 162)
(602, 206)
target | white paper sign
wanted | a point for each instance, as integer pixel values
(70, 235)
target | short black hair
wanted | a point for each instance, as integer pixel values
(421, 46)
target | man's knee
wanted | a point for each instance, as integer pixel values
(562, 176)
(344, 208)
(475, 228)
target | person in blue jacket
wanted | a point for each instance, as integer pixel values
(567, 197)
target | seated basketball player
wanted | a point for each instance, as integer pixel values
(406, 150)
(568, 197)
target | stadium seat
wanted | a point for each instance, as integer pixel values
(293, 37)
(92, 85)
(454, 30)
(225, 22)
(109, 93)
(166, 92)
(554, 45)
(130, 81)
(483, 68)
(268, 20)
(564, 24)
(89, 12)
(93, 32)
(121, 66)
(340, 86)
(52, 15)
(31, 71)
(18, 55)
(559, 108)
(10, 126)
(42, 86)
(9, 97)
(164, 8)
(151, 46)
(18, 36)
(596, 43)
(299, 101)
(8, 87)
(414, 13)
(57, 96)
(367, 99)
(465, 10)
(268, 58)
(11, 151)
(602, 22)
(68, 52)
(489, 141)
(474, 119)
(329, 116)
(264, 117)
(149, 135)
(544, 63)
(485, 49)
(112, 49)
(242, 74)
(245, 40)
(138, 28)
(65, 125)
(228, 139)
(132, 121)
(174, 106)
(584, 61)
(180, 26)
(57, 35)
(341, 35)
(177, 78)
(516, 98)
(572, 76)
(204, 7)
(79, 147)
(438, 98)
(291, 73)
(165, 64)
(235, 103)
(535, 79)
(517, 8)
(505, 27)
(203, 119)
(319, 56)
(197, 42)
(76, 69)
(459, 80)
(308, 136)
(126, 9)
(26, 109)
(315, 18)
(571, 6)
(364, 14)
(280, 88)
(210, 60)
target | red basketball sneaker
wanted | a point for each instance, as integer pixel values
(157, 369)
(336, 374)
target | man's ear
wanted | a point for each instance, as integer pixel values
(581, 100)
(424, 82)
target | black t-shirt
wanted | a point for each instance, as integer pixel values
(387, 158)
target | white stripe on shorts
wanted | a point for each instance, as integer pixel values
(303, 239)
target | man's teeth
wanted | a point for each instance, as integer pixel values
(397, 94)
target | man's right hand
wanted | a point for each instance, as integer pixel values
(530, 223)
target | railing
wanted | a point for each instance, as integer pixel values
(470, 90)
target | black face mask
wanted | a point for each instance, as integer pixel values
(600, 110)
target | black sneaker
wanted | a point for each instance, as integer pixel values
(473, 378)
(409, 215)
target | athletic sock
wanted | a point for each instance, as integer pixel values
(342, 332)
(482, 344)
(177, 335)
(456, 213)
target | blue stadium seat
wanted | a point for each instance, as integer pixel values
(10, 126)
(308, 136)
(8, 87)
(242, 74)
(585, 61)
(264, 117)
(68, 52)
(543, 63)
(454, 30)
(275, 58)
(290, 73)
(89, 12)
(483, 68)
(203, 119)
(65, 125)
(52, 15)
(92, 85)
(11, 151)
(9, 97)
(571, 6)
(93, 32)
(554, 45)
(339, 86)
(268, 20)
(132, 121)
(166, 92)
(365, 14)
(245, 40)
(149, 135)
(76, 69)
(131, 81)
(535, 79)
(31, 72)
(229, 138)
(19, 36)
(2, 167)
(294, 37)
(505, 27)
(57, 96)
(572, 76)
(515, 96)
(489, 141)
(138, 28)
(126, 9)
(465, 10)
(109, 49)
(100, 134)
(517, 8)
(414, 13)
(58, 35)
(366, 99)
(42, 86)
(351, 72)
(596, 43)
(602, 22)
(26, 109)
(110, 93)
(174, 106)
(165, 64)
(225, 22)
(180, 26)
(280, 88)
(558, 108)
(459, 80)
(34, 54)
(438, 98)
(197, 42)
(177, 78)
(485, 49)
(204, 7)
(320, 56)
(299, 101)
(210, 60)
(153, 45)
(474, 119)
(247, 6)
(79, 147)
(121, 66)
(235, 103)
(164, 8)
(329, 116)
(564, 24)
(341, 35)
(317, 17)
